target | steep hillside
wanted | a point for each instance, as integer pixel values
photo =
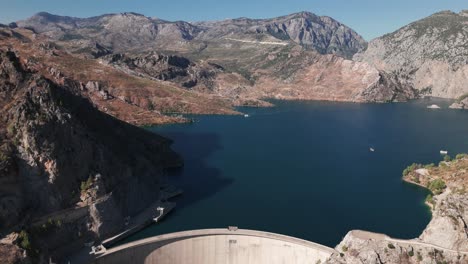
(430, 55)
(63, 164)
(128, 97)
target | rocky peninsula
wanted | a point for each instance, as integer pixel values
(445, 239)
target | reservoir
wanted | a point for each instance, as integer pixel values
(306, 169)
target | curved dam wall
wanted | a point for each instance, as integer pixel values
(217, 246)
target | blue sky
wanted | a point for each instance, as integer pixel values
(370, 18)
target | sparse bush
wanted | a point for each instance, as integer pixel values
(344, 248)
(429, 199)
(85, 185)
(460, 156)
(447, 158)
(411, 168)
(391, 246)
(411, 253)
(24, 241)
(428, 166)
(436, 186)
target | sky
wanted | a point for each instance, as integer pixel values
(370, 18)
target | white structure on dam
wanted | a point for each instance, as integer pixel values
(217, 246)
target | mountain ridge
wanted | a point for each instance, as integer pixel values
(320, 33)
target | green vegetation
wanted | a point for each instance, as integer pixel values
(460, 156)
(85, 185)
(411, 168)
(447, 158)
(419, 256)
(391, 246)
(24, 241)
(429, 166)
(462, 97)
(430, 199)
(411, 253)
(436, 186)
(49, 225)
(344, 248)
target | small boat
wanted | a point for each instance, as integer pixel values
(444, 152)
(434, 106)
(246, 115)
(371, 149)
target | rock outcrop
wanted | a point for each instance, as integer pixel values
(430, 55)
(55, 147)
(461, 103)
(445, 239)
(172, 68)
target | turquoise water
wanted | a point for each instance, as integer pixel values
(304, 169)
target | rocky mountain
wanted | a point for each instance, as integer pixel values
(431, 54)
(299, 56)
(130, 31)
(319, 33)
(69, 172)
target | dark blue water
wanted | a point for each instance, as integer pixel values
(304, 168)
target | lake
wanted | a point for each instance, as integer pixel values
(305, 169)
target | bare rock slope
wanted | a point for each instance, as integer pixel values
(431, 54)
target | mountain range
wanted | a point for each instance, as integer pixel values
(70, 83)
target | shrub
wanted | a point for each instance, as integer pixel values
(460, 156)
(436, 186)
(391, 246)
(447, 158)
(344, 248)
(411, 253)
(85, 185)
(428, 166)
(411, 168)
(419, 256)
(24, 241)
(429, 199)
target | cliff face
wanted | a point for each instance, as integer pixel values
(430, 55)
(62, 159)
(445, 239)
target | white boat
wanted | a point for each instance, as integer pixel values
(444, 152)
(372, 149)
(246, 115)
(434, 106)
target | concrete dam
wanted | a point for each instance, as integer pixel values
(217, 246)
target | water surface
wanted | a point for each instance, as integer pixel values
(304, 169)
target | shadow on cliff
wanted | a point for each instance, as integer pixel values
(198, 180)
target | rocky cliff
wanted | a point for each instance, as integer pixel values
(445, 239)
(70, 174)
(431, 54)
